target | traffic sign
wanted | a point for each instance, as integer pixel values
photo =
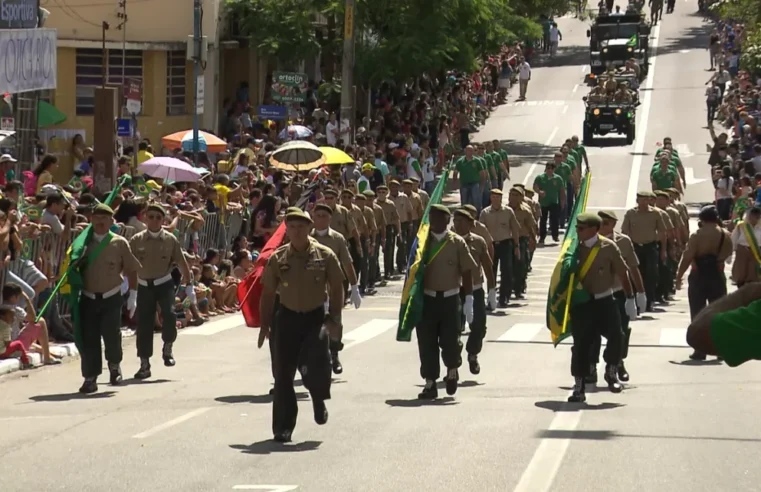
(123, 127)
(134, 92)
(7, 124)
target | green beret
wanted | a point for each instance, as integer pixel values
(441, 209)
(408, 182)
(324, 208)
(607, 214)
(462, 212)
(381, 188)
(330, 192)
(519, 185)
(672, 190)
(155, 207)
(529, 192)
(297, 214)
(662, 193)
(103, 209)
(517, 191)
(415, 179)
(393, 182)
(359, 196)
(588, 218)
(369, 193)
(470, 208)
(292, 209)
(496, 191)
(645, 194)
(347, 191)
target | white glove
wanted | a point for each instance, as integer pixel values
(132, 303)
(729, 259)
(326, 305)
(631, 308)
(641, 301)
(467, 308)
(190, 292)
(356, 299)
(493, 298)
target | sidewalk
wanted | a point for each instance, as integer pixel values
(65, 351)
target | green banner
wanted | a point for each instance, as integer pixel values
(289, 87)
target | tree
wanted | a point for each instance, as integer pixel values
(749, 11)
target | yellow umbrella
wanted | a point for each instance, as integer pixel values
(336, 157)
(297, 156)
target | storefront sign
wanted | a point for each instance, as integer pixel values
(272, 112)
(27, 60)
(18, 14)
(288, 87)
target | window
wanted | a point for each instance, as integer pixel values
(175, 83)
(89, 73)
(47, 95)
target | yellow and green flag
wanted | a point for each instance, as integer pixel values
(564, 285)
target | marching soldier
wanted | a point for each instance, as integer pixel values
(356, 246)
(393, 230)
(626, 247)
(706, 251)
(663, 286)
(379, 240)
(682, 208)
(424, 197)
(526, 241)
(645, 227)
(100, 310)
(301, 271)
(463, 223)
(342, 221)
(537, 211)
(448, 274)
(600, 265)
(504, 229)
(403, 205)
(323, 234)
(368, 244)
(417, 206)
(746, 238)
(479, 229)
(679, 238)
(157, 250)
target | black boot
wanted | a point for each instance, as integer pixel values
(145, 369)
(166, 353)
(451, 381)
(697, 356)
(283, 436)
(115, 372)
(320, 412)
(611, 377)
(578, 396)
(592, 376)
(89, 386)
(337, 367)
(623, 374)
(475, 367)
(430, 391)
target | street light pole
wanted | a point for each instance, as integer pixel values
(196, 73)
(347, 70)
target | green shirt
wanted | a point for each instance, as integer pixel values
(551, 186)
(470, 170)
(664, 179)
(564, 170)
(487, 158)
(736, 334)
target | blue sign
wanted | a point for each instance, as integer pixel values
(123, 127)
(273, 112)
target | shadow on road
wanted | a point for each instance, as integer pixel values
(415, 403)
(72, 396)
(256, 399)
(270, 446)
(148, 382)
(562, 406)
(461, 384)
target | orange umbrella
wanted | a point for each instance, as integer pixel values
(214, 144)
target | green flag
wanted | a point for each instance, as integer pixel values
(633, 41)
(564, 285)
(412, 295)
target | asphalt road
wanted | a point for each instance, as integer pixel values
(204, 425)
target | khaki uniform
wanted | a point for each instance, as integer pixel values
(424, 197)
(644, 229)
(406, 216)
(528, 230)
(380, 222)
(343, 222)
(480, 254)
(392, 217)
(301, 278)
(358, 251)
(367, 272)
(505, 231)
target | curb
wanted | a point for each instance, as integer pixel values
(66, 351)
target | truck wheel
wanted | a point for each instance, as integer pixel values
(630, 135)
(587, 135)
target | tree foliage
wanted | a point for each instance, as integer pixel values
(749, 13)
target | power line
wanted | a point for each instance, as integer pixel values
(73, 15)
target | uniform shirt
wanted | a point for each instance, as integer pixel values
(480, 252)
(444, 270)
(525, 217)
(105, 272)
(675, 216)
(380, 217)
(664, 179)
(424, 197)
(417, 206)
(390, 213)
(470, 169)
(643, 227)
(626, 247)
(372, 226)
(705, 241)
(501, 223)
(739, 238)
(156, 255)
(336, 243)
(403, 204)
(359, 220)
(606, 267)
(551, 186)
(480, 230)
(666, 219)
(342, 221)
(301, 277)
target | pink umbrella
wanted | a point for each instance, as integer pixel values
(169, 169)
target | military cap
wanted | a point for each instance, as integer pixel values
(662, 193)
(607, 214)
(415, 179)
(381, 188)
(296, 214)
(393, 182)
(516, 190)
(359, 196)
(645, 194)
(496, 191)
(323, 207)
(529, 192)
(102, 209)
(408, 182)
(441, 209)
(588, 218)
(155, 207)
(347, 191)
(519, 185)
(672, 190)
(470, 208)
(330, 192)
(369, 193)
(292, 209)
(464, 213)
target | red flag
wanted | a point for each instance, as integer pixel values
(250, 289)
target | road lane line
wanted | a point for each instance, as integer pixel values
(521, 332)
(368, 331)
(631, 194)
(673, 337)
(565, 109)
(171, 423)
(575, 88)
(536, 164)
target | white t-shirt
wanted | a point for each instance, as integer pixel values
(524, 71)
(428, 174)
(332, 138)
(724, 187)
(554, 34)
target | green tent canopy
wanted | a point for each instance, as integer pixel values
(48, 115)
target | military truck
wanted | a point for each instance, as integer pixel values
(615, 38)
(604, 117)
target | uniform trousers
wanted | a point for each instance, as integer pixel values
(520, 267)
(504, 254)
(365, 263)
(100, 318)
(475, 342)
(439, 328)
(551, 212)
(590, 320)
(148, 297)
(620, 297)
(375, 265)
(647, 254)
(298, 340)
(402, 249)
(388, 250)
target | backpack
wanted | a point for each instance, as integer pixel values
(30, 183)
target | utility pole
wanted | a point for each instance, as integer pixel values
(104, 74)
(197, 43)
(347, 70)
(123, 28)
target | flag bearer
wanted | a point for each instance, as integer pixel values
(463, 224)
(329, 238)
(526, 241)
(626, 247)
(107, 257)
(746, 238)
(301, 272)
(501, 223)
(645, 227)
(448, 272)
(157, 250)
(595, 312)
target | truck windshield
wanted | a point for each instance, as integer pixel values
(616, 31)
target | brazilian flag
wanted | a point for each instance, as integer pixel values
(71, 283)
(565, 289)
(633, 41)
(411, 310)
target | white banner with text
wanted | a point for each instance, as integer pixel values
(28, 60)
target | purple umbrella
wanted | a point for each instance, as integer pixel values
(169, 169)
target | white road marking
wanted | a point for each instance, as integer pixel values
(631, 194)
(268, 488)
(673, 337)
(684, 51)
(216, 326)
(368, 331)
(565, 109)
(554, 102)
(171, 423)
(684, 151)
(534, 165)
(521, 332)
(689, 176)
(575, 88)
(545, 463)
(584, 68)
